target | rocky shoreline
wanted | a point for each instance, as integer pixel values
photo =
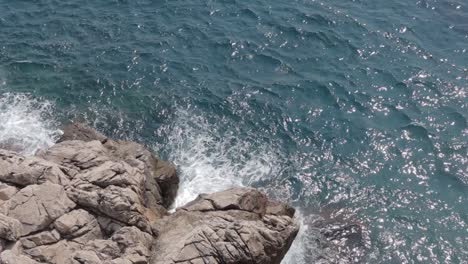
(91, 199)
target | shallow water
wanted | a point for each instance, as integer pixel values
(354, 111)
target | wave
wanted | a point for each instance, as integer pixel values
(211, 158)
(26, 123)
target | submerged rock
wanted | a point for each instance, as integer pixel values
(91, 199)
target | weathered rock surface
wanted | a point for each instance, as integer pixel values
(225, 227)
(18, 170)
(91, 199)
(10, 228)
(37, 206)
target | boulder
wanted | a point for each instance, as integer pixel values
(91, 199)
(245, 199)
(104, 184)
(79, 226)
(58, 253)
(161, 178)
(40, 239)
(19, 170)
(118, 179)
(162, 181)
(37, 206)
(80, 131)
(10, 257)
(225, 227)
(10, 228)
(83, 256)
(7, 191)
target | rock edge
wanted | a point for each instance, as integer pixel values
(91, 199)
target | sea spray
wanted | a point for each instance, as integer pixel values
(297, 251)
(26, 123)
(211, 159)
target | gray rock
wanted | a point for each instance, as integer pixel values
(36, 206)
(225, 227)
(7, 191)
(80, 131)
(58, 253)
(76, 155)
(105, 249)
(90, 199)
(108, 225)
(165, 175)
(19, 170)
(10, 228)
(88, 257)
(246, 199)
(78, 225)
(132, 240)
(277, 208)
(113, 201)
(40, 239)
(110, 179)
(161, 172)
(10, 257)
(162, 181)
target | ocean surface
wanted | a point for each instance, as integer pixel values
(353, 111)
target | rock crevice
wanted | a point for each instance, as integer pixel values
(92, 199)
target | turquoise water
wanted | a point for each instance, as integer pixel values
(354, 111)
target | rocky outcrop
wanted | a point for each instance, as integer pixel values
(91, 199)
(225, 227)
(37, 206)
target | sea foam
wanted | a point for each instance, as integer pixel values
(26, 123)
(210, 159)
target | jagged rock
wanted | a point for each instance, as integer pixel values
(3, 243)
(132, 240)
(10, 257)
(225, 227)
(78, 225)
(161, 178)
(59, 253)
(245, 199)
(88, 257)
(162, 173)
(105, 249)
(40, 239)
(22, 171)
(79, 131)
(113, 201)
(36, 206)
(277, 208)
(116, 179)
(103, 184)
(135, 245)
(108, 225)
(10, 228)
(76, 155)
(7, 191)
(90, 199)
(166, 176)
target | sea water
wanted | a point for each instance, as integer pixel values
(352, 111)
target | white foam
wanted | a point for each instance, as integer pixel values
(26, 123)
(210, 159)
(297, 252)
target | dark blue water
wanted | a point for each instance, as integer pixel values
(354, 111)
